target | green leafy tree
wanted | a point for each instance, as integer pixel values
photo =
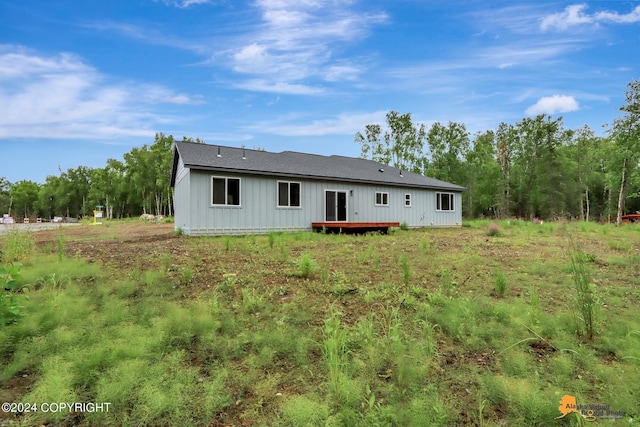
(73, 192)
(483, 177)
(24, 195)
(535, 170)
(49, 202)
(626, 139)
(108, 188)
(5, 198)
(583, 169)
(448, 147)
(400, 145)
(148, 171)
(505, 141)
(162, 156)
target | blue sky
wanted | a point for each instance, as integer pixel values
(81, 82)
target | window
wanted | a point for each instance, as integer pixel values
(407, 200)
(382, 199)
(288, 194)
(225, 191)
(444, 202)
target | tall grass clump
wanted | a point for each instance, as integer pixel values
(585, 300)
(251, 301)
(335, 354)
(187, 275)
(61, 248)
(500, 283)
(406, 270)
(306, 266)
(227, 243)
(18, 246)
(271, 236)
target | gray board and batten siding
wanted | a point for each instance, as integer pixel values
(224, 190)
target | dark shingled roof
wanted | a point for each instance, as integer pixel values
(298, 165)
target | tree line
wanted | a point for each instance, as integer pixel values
(139, 183)
(532, 168)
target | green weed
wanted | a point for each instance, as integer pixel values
(406, 270)
(251, 301)
(18, 246)
(284, 251)
(12, 289)
(61, 248)
(306, 266)
(585, 300)
(187, 275)
(621, 245)
(500, 283)
(54, 281)
(271, 239)
(228, 282)
(335, 354)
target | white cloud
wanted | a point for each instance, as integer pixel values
(60, 96)
(183, 4)
(615, 17)
(251, 59)
(152, 35)
(279, 87)
(572, 15)
(334, 73)
(553, 104)
(343, 124)
(300, 40)
(575, 14)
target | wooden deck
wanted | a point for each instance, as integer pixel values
(353, 227)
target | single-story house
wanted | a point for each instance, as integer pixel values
(225, 190)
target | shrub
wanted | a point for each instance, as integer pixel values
(494, 230)
(10, 280)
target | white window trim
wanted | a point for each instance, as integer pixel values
(226, 191)
(375, 198)
(407, 198)
(452, 200)
(278, 205)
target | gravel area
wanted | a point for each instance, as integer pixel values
(8, 228)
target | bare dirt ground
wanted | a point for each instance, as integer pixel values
(118, 244)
